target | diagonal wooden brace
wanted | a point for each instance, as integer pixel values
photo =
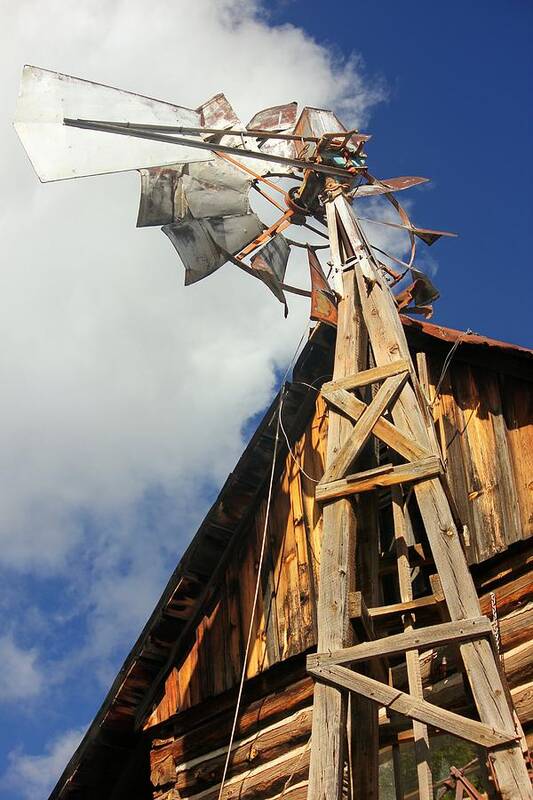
(385, 396)
(413, 707)
(353, 407)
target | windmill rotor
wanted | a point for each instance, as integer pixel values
(197, 169)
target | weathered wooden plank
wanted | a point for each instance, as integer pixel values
(304, 567)
(423, 375)
(362, 430)
(414, 707)
(408, 606)
(262, 781)
(517, 406)
(207, 727)
(413, 639)
(363, 715)
(388, 475)
(388, 342)
(353, 407)
(336, 570)
(259, 749)
(367, 376)
(401, 519)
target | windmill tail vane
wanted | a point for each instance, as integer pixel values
(198, 167)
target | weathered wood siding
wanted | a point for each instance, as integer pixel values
(285, 618)
(484, 420)
(271, 746)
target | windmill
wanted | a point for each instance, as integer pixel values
(198, 168)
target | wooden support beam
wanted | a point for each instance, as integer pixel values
(401, 519)
(353, 408)
(362, 430)
(367, 376)
(413, 707)
(364, 630)
(413, 639)
(387, 475)
(337, 567)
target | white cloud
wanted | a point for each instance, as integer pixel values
(21, 677)
(116, 380)
(31, 776)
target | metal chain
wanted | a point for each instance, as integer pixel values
(495, 623)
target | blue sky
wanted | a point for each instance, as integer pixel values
(121, 416)
(459, 78)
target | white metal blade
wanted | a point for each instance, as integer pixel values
(58, 152)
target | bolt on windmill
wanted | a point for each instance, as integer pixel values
(198, 168)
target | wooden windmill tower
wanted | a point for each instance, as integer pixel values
(197, 168)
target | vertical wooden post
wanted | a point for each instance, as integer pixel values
(337, 565)
(337, 579)
(420, 731)
(364, 739)
(397, 770)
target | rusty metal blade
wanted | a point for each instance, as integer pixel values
(216, 189)
(270, 264)
(319, 121)
(388, 185)
(162, 200)
(276, 118)
(218, 113)
(426, 234)
(203, 244)
(323, 307)
(424, 291)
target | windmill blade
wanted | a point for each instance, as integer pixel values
(208, 189)
(162, 199)
(419, 296)
(323, 307)
(216, 189)
(58, 152)
(275, 118)
(203, 244)
(426, 234)
(424, 291)
(270, 264)
(388, 185)
(218, 113)
(203, 189)
(318, 122)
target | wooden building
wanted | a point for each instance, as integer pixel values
(163, 729)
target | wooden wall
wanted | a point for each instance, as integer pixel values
(270, 756)
(286, 623)
(484, 420)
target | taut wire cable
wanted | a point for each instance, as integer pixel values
(259, 571)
